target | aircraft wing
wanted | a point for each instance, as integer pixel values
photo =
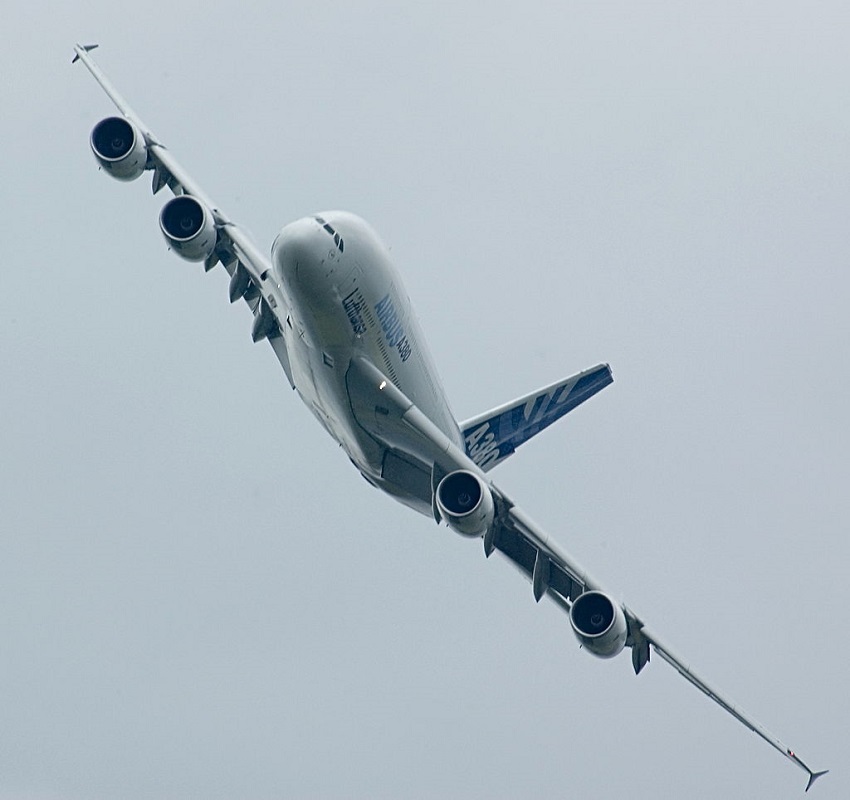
(553, 572)
(247, 266)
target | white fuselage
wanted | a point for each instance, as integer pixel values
(345, 302)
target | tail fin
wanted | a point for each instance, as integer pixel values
(491, 437)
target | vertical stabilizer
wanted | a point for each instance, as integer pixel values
(491, 437)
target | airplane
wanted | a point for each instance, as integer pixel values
(334, 310)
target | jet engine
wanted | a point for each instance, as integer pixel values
(465, 503)
(188, 228)
(599, 624)
(119, 148)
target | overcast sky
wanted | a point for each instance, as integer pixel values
(200, 598)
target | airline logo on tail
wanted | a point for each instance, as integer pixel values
(491, 437)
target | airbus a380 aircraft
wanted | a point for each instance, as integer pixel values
(333, 308)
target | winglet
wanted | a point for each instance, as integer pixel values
(85, 47)
(813, 776)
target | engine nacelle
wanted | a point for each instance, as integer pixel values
(465, 502)
(188, 228)
(119, 148)
(599, 624)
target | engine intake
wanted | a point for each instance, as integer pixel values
(188, 228)
(119, 148)
(599, 624)
(465, 503)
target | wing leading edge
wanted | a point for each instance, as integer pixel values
(233, 248)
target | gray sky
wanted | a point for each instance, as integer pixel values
(199, 598)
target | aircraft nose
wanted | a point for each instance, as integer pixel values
(298, 256)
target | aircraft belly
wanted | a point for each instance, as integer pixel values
(348, 306)
(385, 450)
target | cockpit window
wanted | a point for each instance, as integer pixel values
(338, 240)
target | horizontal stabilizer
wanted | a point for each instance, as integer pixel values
(491, 437)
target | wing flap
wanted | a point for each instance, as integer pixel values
(526, 556)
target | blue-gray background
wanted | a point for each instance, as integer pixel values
(199, 598)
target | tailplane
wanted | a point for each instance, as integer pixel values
(491, 437)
